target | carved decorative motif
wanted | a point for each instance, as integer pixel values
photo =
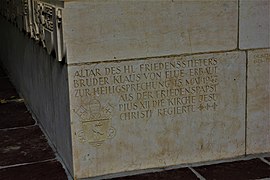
(96, 121)
(42, 21)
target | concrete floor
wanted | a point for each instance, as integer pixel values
(26, 154)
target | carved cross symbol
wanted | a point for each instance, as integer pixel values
(201, 107)
(108, 110)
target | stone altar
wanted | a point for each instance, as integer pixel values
(125, 86)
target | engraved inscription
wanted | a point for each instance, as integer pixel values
(258, 101)
(163, 88)
(261, 58)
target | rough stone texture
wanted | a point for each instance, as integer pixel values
(157, 112)
(23, 145)
(242, 170)
(52, 170)
(175, 174)
(13, 114)
(258, 101)
(254, 24)
(43, 83)
(111, 30)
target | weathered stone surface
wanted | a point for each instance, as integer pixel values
(240, 170)
(157, 112)
(254, 24)
(23, 145)
(175, 174)
(14, 114)
(258, 101)
(107, 30)
(52, 170)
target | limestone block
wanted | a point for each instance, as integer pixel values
(258, 101)
(156, 112)
(254, 24)
(108, 30)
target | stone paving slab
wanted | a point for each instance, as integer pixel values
(7, 91)
(5, 84)
(24, 149)
(267, 158)
(23, 145)
(14, 114)
(8, 94)
(51, 170)
(2, 73)
(176, 174)
(242, 170)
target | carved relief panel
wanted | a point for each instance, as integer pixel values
(42, 21)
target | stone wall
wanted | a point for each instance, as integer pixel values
(144, 84)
